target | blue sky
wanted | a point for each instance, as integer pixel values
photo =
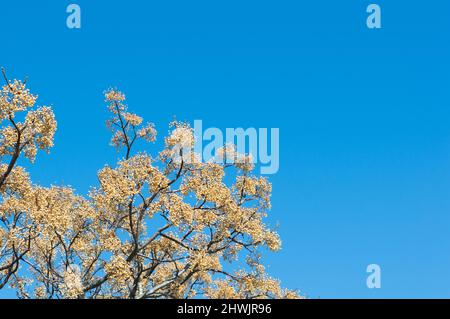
(363, 115)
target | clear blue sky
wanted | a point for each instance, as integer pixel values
(364, 116)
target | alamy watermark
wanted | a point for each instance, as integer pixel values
(73, 21)
(374, 19)
(374, 279)
(245, 147)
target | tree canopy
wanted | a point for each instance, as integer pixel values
(167, 226)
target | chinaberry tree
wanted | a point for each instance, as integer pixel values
(162, 226)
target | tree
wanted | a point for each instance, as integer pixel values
(167, 226)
